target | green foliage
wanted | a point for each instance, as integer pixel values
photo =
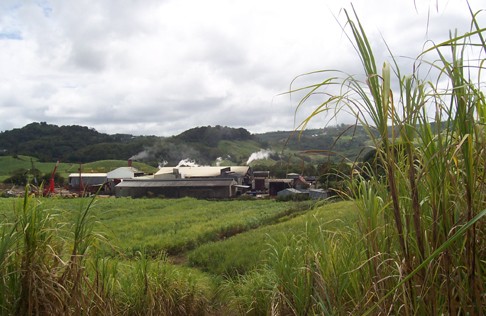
(211, 136)
(18, 177)
(175, 226)
(49, 264)
(160, 288)
(280, 168)
(22, 177)
(421, 204)
(206, 144)
(238, 152)
(331, 142)
(78, 144)
(145, 281)
(70, 143)
(244, 252)
(305, 264)
(21, 167)
(37, 274)
(334, 177)
(293, 197)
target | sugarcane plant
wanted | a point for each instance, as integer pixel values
(421, 220)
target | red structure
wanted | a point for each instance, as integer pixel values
(51, 189)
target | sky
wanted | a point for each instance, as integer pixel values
(160, 67)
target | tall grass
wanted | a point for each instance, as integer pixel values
(50, 265)
(422, 223)
(305, 270)
(36, 275)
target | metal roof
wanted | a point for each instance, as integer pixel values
(176, 183)
(280, 180)
(86, 175)
(241, 170)
(204, 171)
(123, 172)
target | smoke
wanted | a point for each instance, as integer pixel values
(163, 163)
(187, 163)
(141, 155)
(218, 161)
(262, 154)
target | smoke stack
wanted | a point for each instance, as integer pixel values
(129, 162)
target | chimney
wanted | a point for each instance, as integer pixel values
(129, 162)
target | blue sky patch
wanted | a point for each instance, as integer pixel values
(10, 36)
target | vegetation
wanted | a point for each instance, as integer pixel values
(420, 223)
(211, 136)
(55, 258)
(204, 145)
(49, 265)
(74, 143)
(213, 257)
(22, 169)
(176, 226)
(334, 142)
(410, 242)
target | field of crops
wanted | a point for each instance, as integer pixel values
(177, 243)
(171, 226)
(174, 226)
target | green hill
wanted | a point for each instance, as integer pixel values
(280, 152)
(70, 143)
(25, 165)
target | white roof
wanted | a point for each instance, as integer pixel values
(165, 170)
(86, 175)
(196, 172)
(241, 170)
(123, 173)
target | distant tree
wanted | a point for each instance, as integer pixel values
(333, 176)
(211, 136)
(70, 143)
(18, 177)
(58, 179)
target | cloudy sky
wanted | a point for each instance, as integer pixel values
(159, 67)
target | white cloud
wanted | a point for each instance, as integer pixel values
(161, 67)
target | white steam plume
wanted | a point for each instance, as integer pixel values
(187, 163)
(218, 161)
(141, 155)
(163, 163)
(261, 154)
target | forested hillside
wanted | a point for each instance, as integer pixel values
(205, 145)
(70, 143)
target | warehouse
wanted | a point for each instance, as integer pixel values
(212, 188)
(241, 174)
(82, 180)
(119, 174)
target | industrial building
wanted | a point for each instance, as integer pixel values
(203, 188)
(119, 174)
(197, 182)
(79, 181)
(241, 174)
